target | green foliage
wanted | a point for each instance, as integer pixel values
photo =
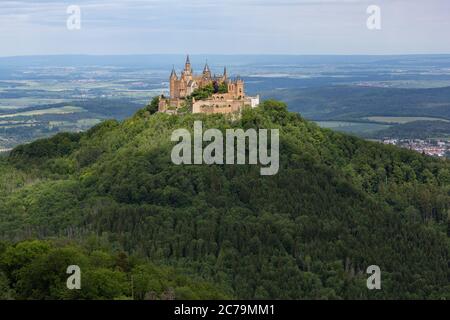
(222, 88)
(60, 145)
(153, 106)
(337, 205)
(6, 293)
(39, 272)
(203, 93)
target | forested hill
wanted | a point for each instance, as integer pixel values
(337, 205)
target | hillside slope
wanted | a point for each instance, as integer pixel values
(338, 205)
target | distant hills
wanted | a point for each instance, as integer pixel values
(338, 205)
(358, 102)
(366, 104)
(258, 59)
(416, 129)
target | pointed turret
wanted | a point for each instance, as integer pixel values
(188, 64)
(173, 75)
(206, 69)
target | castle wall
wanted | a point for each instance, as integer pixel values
(216, 106)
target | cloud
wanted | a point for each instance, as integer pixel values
(225, 26)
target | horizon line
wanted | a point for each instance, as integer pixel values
(224, 54)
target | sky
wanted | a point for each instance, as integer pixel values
(33, 27)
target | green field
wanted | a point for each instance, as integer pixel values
(62, 110)
(352, 127)
(18, 103)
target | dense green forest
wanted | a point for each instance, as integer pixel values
(36, 270)
(111, 200)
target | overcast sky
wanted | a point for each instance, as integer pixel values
(31, 27)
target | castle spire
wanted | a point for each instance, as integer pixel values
(187, 67)
(174, 73)
(206, 69)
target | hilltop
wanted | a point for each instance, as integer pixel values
(337, 205)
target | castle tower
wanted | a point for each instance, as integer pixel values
(173, 83)
(187, 73)
(240, 94)
(225, 76)
(206, 72)
(231, 87)
(187, 66)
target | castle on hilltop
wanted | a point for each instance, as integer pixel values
(205, 93)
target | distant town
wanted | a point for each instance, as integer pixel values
(431, 147)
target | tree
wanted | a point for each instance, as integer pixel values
(153, 106)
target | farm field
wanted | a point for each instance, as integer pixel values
(352, 127)
(61, 110)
